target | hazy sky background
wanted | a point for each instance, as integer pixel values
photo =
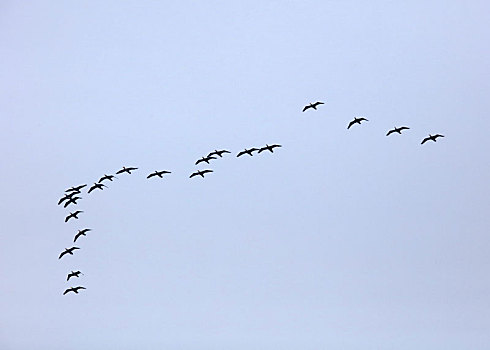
(342, 239)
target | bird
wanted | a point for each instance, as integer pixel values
(269, 148)
(71, 200)
(96, 185)
(356, 120)
(68, 251)
(201, 172)
(67, 196)
(106, 177)
(74, 274)
(431, 137)
(75, 188)
(125, 170)
(313, 105)
(74, 289)
(205, 159)
(81, 233)
(73, 215)
(218, 153)
(247, 151)
(158, 173)
(398, 130)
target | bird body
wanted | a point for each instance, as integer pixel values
(68, 196)
(205, 159)
(106, 177)
(73, 215)
(68, 251)
(72, 200)
(269, 148)
(431, 138)
(96, 185)
(81, 233)
(73, 289)
(201, 173)
(218, 153)
(75, 188)
(126, 170)
(356, 120)
(158, 173)
(247, 151)
(398, 130)
(73, 274)
(312, 105)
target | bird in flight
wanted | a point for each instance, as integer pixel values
(218, 153)
(81, 233)
(269, 148)
(201, 173)
(75, 188)
(247, 151)
(73, 215)
(72, 200)
(356, 120)
(313, 105)
(68, 251)
(126, 170)
(74, 289)
(158, 173)
(74, 274)
(106, 177)
(205, 159)
(67, 196)
(431, 138)
(97, 185)
(398, 130)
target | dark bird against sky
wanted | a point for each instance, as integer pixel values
(73, 215)
(356, 120)
(68, 196)
(201, 173)
(81, 233)
(97, 185)
(106, 177)
(205, 159)
(313, 105)
(158, 173)
(218, 153)
(269, 148)
(74, 289)
(68, 251)
(431, 138)
(398, 130)
(72, 200)
(126, 170)
(75, 188)
(73, 274)
(247, 151)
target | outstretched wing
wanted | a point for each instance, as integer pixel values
(390, 132)
(151, 175)
(241, 153)
(404, 128)
(193, 174)
(425, 140)
(351, 123)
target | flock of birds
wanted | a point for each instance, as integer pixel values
(71, 195)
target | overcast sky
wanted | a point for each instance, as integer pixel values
(341, 239)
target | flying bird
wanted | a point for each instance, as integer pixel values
(76, 188)
(218, 153)
(68, 251)
(73, 215)
(68, 196)
(205, 159)
(158, 173)
(247, 151)
(97, 185)
(269, 148)
(72, 200)
(81, 233)
(398, 130)
(313, 105)
(201, 172)
(74, 289)
(74, 274)
(356, 120)
(432, 138)
(106, 177)
(125, 170)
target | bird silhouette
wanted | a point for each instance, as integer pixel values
(313, 105)
(81, 233)
(74, 274)
(356, 120)
(218, 153)
(72, 200)
(74, 289)
(68, 251)
(269, 148)
(126, 170)
(201, 173)
(96, 185)
(75, 188)
(247, 151)
(158, 173)
(73, 215)
(68, 196)
(431, 138)
(205, 159)
(398, 130)
(106, 177)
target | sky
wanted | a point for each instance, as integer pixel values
(341, 239)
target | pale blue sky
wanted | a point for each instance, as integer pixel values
(342, 239)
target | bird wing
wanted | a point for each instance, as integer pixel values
(206, 171)
(199, 161)
(306, 107)
(193, 174)
(438, 135)
(390, 132)
(317, 103)
(404, 128)
(151, 175)
(91, 189)
(351, 123)
(240, 153)
(67, 291)
(76, 236)
(425, 140)
(262, 149)
(120, 171)
(361, 119)
(68, 217)
(62, 253)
